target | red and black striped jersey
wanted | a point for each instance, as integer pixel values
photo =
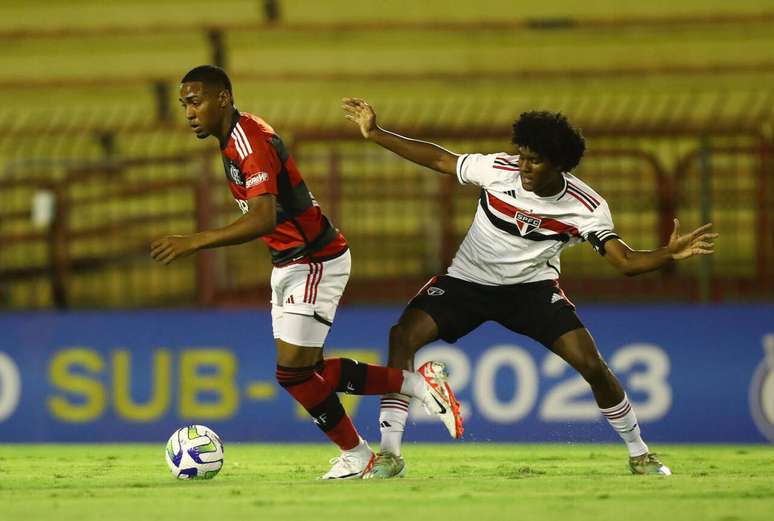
(256, 162)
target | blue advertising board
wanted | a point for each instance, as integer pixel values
(693, 374)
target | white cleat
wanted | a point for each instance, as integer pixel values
(352, 464)
(439, 398)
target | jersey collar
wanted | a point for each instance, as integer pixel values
(563, 190)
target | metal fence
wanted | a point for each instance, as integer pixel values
(76, 233)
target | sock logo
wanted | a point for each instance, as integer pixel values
(322, 419)
(385, 424)
(630, 430)
(350, 387)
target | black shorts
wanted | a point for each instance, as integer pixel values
(539, 310)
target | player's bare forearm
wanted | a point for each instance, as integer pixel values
(245, 229)
(259, 220)
(421, 152)
(634, 262)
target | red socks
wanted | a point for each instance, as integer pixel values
(315, 388)
(315, 395)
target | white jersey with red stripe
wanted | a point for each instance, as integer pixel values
(516, 235)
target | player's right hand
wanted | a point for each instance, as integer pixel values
(166, 249)
(362, 113)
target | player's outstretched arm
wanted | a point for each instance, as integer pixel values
(633, 262)
(260, 219)
(420, 152)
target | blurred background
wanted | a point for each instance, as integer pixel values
(675, 98)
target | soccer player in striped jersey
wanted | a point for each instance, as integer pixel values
(530, 209)
(311, 268)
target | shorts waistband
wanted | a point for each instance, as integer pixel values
(309, 260)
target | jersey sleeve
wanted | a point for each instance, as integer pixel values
(260, 167)
(598, 228)
(481, 169)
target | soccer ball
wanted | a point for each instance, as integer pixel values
(194, 452)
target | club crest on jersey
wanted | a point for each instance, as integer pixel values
(234, 174)
(526, 223)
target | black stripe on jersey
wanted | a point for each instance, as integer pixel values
(553, 267)
(579, 193)
(512, 193)
(511, 228)
(293, 201)
(504, 162)
(598, 240)
(279, 147)
(463, 161)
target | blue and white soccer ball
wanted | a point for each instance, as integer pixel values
(194, 452)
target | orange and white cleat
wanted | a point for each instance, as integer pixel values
(439, 398)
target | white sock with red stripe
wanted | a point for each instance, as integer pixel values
(393, 414)
(622, 419)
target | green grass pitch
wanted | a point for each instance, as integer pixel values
(444, 482)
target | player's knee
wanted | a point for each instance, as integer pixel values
(593, 369)
(403, 339)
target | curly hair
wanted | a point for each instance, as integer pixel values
(550, 135)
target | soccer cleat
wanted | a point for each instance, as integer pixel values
(352, 464)
(386, 465)
(439, 398)
(648, 463)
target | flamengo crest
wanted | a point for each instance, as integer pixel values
(233, 172)
(526, 223)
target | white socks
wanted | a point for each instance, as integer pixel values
(393, 414)
(622, 419)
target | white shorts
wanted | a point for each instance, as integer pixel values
(304, 298)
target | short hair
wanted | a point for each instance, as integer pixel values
(550, 135)
(209, 75)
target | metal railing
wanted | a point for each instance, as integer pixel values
(88, 243)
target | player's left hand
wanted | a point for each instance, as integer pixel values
(167, 249)
(698, 242)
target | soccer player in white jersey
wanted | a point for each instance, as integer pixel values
(506, 270)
